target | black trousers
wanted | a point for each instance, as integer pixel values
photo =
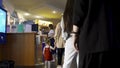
(106, 59)
(52, 40)
(60, 52)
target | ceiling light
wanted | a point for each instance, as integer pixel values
(38, 17)
(26, 14)
(44, 23)
(54, 12)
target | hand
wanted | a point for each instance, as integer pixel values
(75, 36)
(75, 40)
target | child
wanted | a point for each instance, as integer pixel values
(47, 54)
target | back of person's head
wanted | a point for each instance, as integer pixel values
(40, 29)
(59, 41)
(47, 41)
(58, 30)
(51, 26)
(67, 17)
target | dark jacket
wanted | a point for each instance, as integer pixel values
(99, 24)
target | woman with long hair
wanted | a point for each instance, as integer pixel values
(71, 53)
(59, 43)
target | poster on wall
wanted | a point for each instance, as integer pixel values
(28, 28)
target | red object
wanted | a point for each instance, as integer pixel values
(47, 54)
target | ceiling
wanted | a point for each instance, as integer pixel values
(41, 8)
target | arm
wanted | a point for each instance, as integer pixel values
(62, 25)
(51, 33)
(43, 35)
(79, 13)
(75, 36)
(43, 50)
(53, 48)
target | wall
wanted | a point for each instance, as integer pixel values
(11, 9)
(21, 17)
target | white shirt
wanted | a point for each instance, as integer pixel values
(51, 33)
(64, 34)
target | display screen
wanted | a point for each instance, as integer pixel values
(35, 27)
(3, 20)
(3, 23)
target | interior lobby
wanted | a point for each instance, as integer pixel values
(25, 18)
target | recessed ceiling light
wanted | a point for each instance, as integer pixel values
(54, 12)
(26, 14)
(38, 17)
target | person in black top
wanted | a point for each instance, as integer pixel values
(71, 55)
(96, 22)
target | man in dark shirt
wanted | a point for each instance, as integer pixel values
(96, 22)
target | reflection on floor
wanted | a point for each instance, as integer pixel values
(53, 65)
(40, 65)
(39, 59)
